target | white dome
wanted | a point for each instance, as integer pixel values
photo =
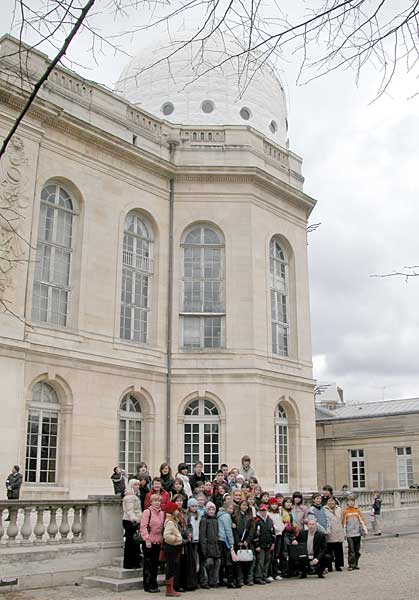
(223, 96)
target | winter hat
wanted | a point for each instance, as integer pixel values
(273, 501)
(263, 507)
(210, 505)
(171, 507)
(192, 502)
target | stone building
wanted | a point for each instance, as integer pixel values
(155, 272)
(369, 446)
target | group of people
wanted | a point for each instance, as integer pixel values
(228, 531)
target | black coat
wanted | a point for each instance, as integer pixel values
(194, 479)
(264, 533)
(118, 484)
(319, 543)
(245, 529)
(208, 537)
(13, 485)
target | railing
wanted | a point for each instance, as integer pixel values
(276, 153)
(46, 522)
(202, 135)
(137, 261)
(389, 498)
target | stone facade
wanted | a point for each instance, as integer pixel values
(112, 158)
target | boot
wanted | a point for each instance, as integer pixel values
(170, 590)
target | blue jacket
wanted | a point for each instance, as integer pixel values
(225, 529)
(321, 517)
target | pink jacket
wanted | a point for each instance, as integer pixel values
(152, 523)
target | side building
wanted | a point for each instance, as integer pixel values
(154, 270)
(369, 446)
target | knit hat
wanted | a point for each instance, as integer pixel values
(273, 501)
(171, 507)
(192, 502)
(263, 507)
(210, 505)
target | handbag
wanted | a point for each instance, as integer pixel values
(244, 555)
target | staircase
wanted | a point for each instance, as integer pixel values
(117, 579)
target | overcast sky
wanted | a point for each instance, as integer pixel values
(361, 164)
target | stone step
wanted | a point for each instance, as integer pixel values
(117, 585)
(117, 561)
(118, 573)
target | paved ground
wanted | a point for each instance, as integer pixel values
(389, 571)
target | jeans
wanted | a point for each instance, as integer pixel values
(263, 561)
(376, 524)
(151, 566)
(210, 571)
(354, 545)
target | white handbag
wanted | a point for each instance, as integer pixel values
(244, 555)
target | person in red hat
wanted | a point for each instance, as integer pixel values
(172, 546)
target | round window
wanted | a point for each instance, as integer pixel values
(245, 113)
(167, 108)
(273, 126)
(207, 106)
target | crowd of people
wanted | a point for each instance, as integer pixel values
(229, 532)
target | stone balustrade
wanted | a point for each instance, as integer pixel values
(391, 499)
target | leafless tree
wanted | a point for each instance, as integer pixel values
(407, 273)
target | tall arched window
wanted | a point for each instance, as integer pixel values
(130, 434)
(202, 435)
(203, 307)
(137, 270)
(51, 288)
(281, 448)
(279, 298)
(42, 435)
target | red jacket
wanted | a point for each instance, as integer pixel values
(165, 498)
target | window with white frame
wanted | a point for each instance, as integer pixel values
(281, 447)
(203, 307)
(202, 435)
(130, 434)
(357, 467)
(404, 466)
(42, 435)
(137, 271)
(279, 297)
(51, 288)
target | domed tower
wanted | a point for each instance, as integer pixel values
(240, 375)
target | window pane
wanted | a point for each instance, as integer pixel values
(191, 332)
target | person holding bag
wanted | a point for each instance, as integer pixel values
(245, 532)
(172, 539)
(151, 529)
(226, 541)
(130, 521)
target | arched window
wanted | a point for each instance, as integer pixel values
(203, 308)
(137, 270)
(202, 435)
(42, 435)
(279, 298)
(51, 288)
(281, 448)
(130, 434)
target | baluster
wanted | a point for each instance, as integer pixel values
(1, 524)
(64, 525)
(52, 528)
(12, 530)
(39, 529)
(26, 528)
(76, 527)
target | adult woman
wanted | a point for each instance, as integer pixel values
(166, 477)
(157, 489)
(152, 524)
(130, 520)
(288, 536)
(336, 535)
(172, 546)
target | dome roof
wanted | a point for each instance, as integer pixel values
(186, 90)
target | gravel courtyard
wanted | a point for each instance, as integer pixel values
(389, 571)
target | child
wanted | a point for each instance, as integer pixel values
(202, 500)
(166, 477)
(263, 498)
(198, 476)
(288, 536)
(354, 526)
(264, 542)
(183, 474)
(336, 535)
(244, 534)
(172, 547)
(181, 574)
(376, 514)
(208, 490)
(299, 511)
(178, 488)
(226, 539)
(246, 469)
(317, 510)
(276, 518)
(218, 497)
(209, 549)
(252, 504)
(191, 549)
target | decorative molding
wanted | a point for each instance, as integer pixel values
(13, 202)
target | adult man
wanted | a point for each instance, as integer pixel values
(14, 483)
(315, 557)
(246, 470)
